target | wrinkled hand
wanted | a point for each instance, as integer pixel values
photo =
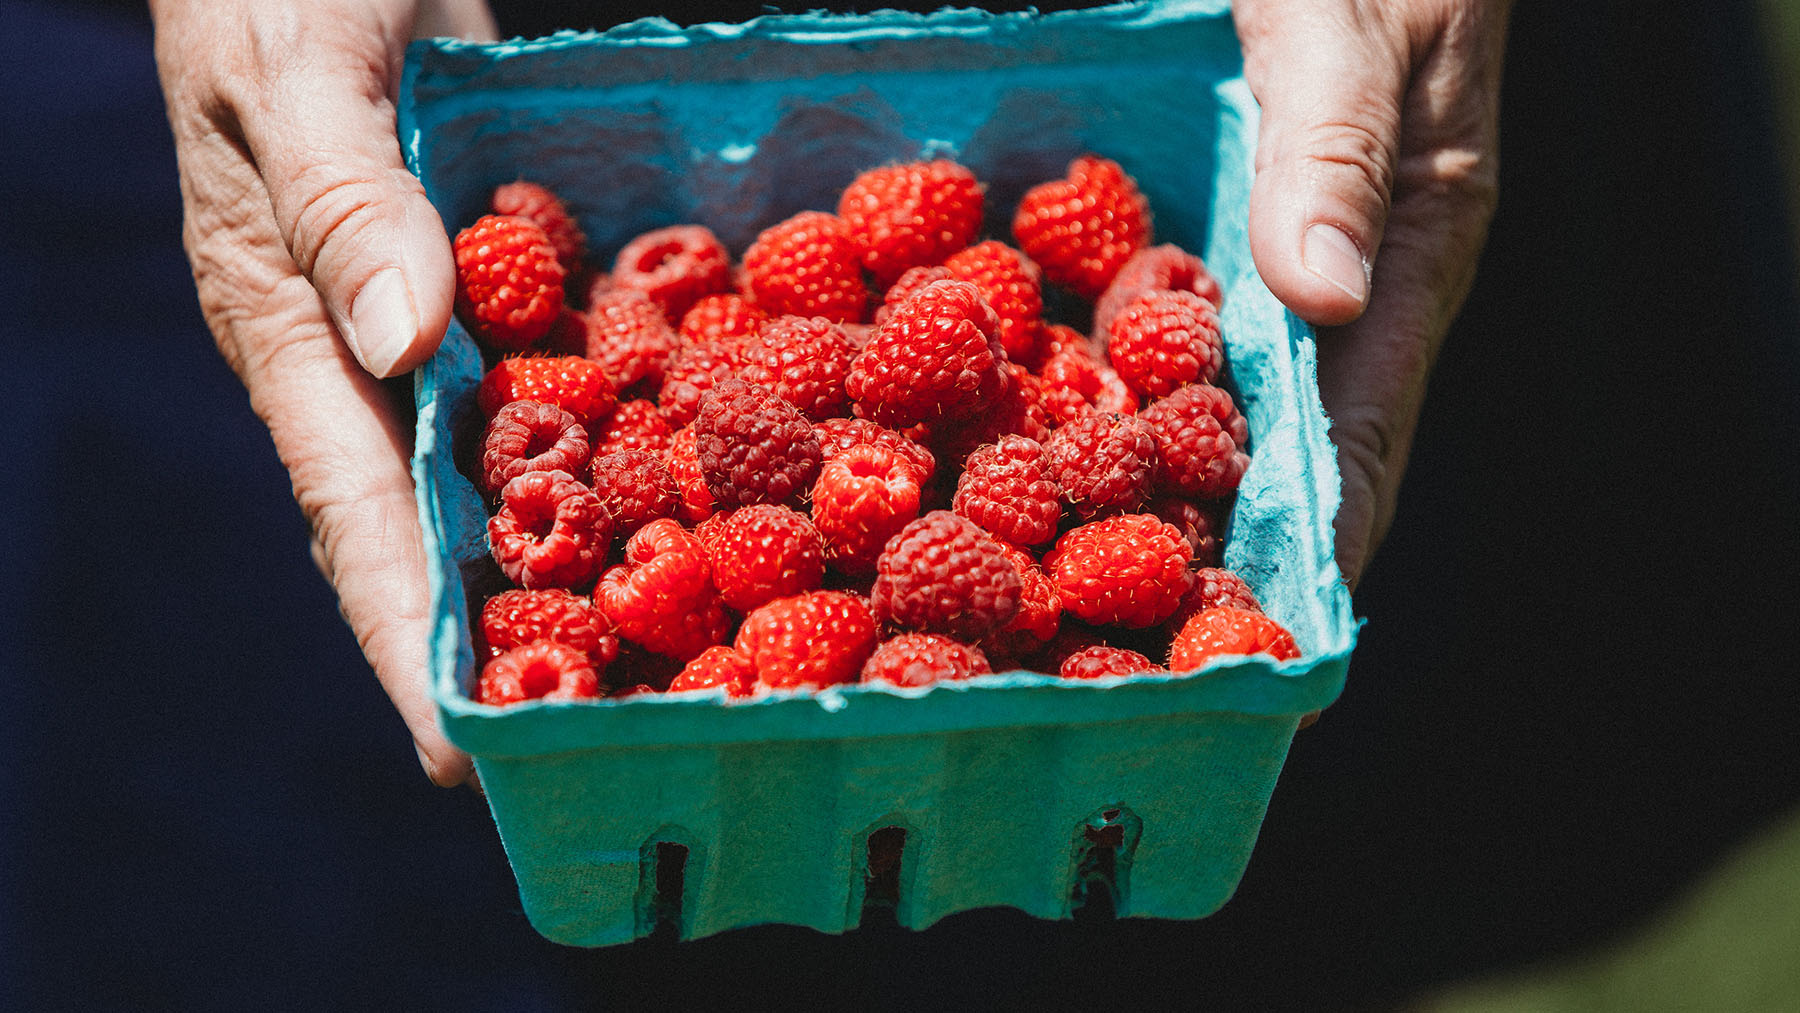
(1376, 179)
(322, 267)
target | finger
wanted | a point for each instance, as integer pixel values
(459, 19)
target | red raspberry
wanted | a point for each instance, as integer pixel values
(662, 597)
(1076, 383)
(1083, 228)
(809, 265)
(550, 531)
(1213, 632)
(912, 214)
(1130, 570)
(1040, 612)
(1202, 526)
(1013, 285)
(943, 574)
(684, 465)
(635, 425)
(675, 266)
(907, 285)
(1164, 340)
(570, 382)
(936, 357)
(1167, 267)
(1200, 438)
(1215, 587)
(763, 552)
(1005, 488)
(754, 447)
(630, 338)
(517, 617)
(721, 316)
(533, 201)
(717, 666)
(509, 285)
(540, 670)
(692, 371)
(863, 497)
(802, 359)
(1103, 660)
(530, 436)
(1103, 463)
(838, 435)
(920, 659)
(635, 487)
(816, 639)
(1016, 411)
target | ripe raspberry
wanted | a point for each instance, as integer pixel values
(809, 265)
(721, 316)
(692, 371)
(535, 202)
(570, 382)
(1075, 382)
(943, 574)
(550, 531)
(509, 285)
(863, 497)
(1202, 526)
(1167, 267)
(1164, 340)
(1081, 229)
(675, 266)
(630, 338)
(517, 617)
(912, 214)
(804, 360)
(530, 436)
(920, 659)
(540, 670)
(1215, 587)
(635, 487)
(684, 465)
(1199, 438)
(635, 425)
(907, 285)
(937, 356)
(763, 552)
(1014, 286)
(1103, 463)
(1102, 660)
(754, 447)
(1130, 570)
(1213, 632)
(838, 435)
(662, 597)
(1039, 617)
(1016, 411)
(816, 639)
(717, 666)
(1005, 488)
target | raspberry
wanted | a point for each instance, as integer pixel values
(530, 436)
(1203, 527)
(717, 666)
(692, 371)
(1016, 411)
(920, 659)
(1213, 588)
(1199, 438)
(1166, 267)
(635, 425)
(509, 285)
(662, 597)
(517, 617)
(1013, 285)
(635, 487)
(802, 359)
(630, 338)
(1224, 630)
(863, 497)
(754, 447)
(937, 356)
(907, 285)
(1130, 570)
(1081, 229)
(910, 215)
(1040, 612)
(763, 552)
(675, 266)
(838, 435)
(716, 317)
(943, 574)
(809, 265)
(1006, 489)
(684, 465)
(1162, 340)
(816, 639)
(1076, 383)
(550, 531)
(1103, 463)
(1103, 660)
(570, 382)
(537, 203)
(540, 670)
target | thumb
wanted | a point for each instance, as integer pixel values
(1331, 90)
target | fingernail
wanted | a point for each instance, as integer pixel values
(383, 322)
(1329, 253)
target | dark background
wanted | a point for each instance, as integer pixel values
(1569, 702)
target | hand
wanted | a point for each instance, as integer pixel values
(321, 267)
(1376, 176)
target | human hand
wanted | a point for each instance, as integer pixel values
(1376, 179)
(321, 268)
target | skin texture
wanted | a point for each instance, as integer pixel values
(322, 269)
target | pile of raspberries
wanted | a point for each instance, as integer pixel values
(857, 453)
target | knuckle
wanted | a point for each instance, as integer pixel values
(1361, 149)
(333, 213)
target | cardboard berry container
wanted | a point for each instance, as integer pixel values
(684, 815)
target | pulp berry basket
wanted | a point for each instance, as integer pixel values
(687, 815)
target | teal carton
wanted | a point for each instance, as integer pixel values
(689, 816)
